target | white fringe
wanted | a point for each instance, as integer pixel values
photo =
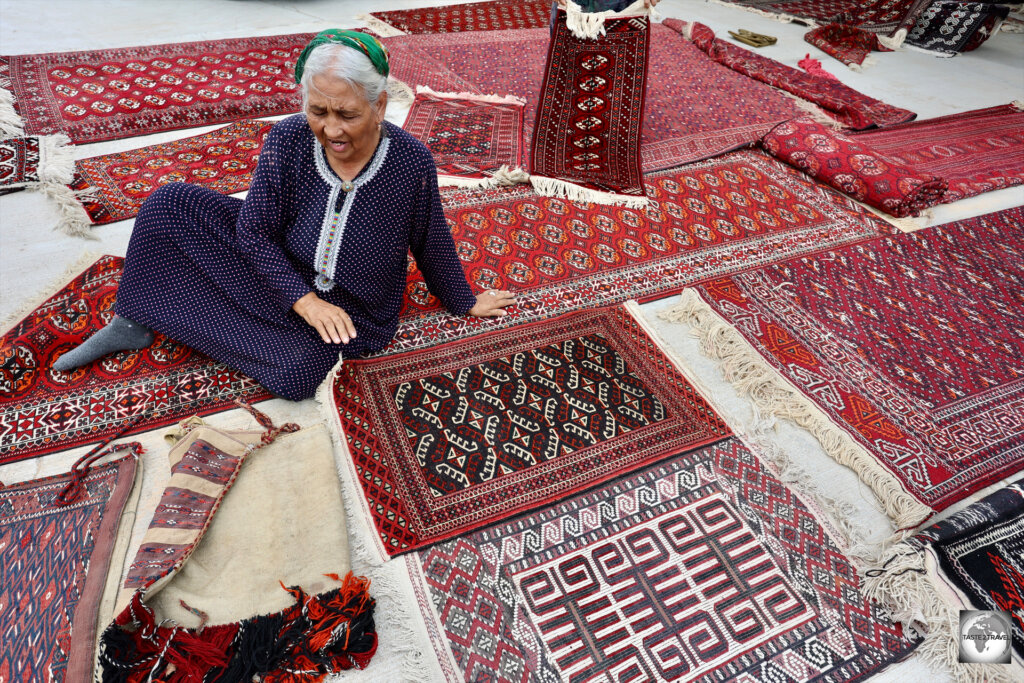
(56, 159)
(503, 177)
(379, 26)
(475, 97)
(590, 25)
(11, 124)
(552, 187)
(895, 41)
(900, 580)
(905, 224)
(84, 260)
(782, 18)
(1018, 105)
(773, 395)
(816, 113)
(399, 92)
(74, 220)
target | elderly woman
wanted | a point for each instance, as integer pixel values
(313, 261)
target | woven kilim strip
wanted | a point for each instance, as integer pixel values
(120, 92)
(223, 160)
(592, 107)
(445, 440)
(42, 410)
(715, 217)
(974, 152)
(474, 16)
(53, 570)
(913, 345)
(702, 568)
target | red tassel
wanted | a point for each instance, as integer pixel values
(813, 67)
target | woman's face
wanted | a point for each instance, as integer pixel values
(342, 120)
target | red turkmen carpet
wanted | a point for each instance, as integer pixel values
(451, 438)
(120, 92)
(913, 345)
(42, 411)
(975, 151)
(716, 217)
(222, 160)
(474, 16)
(704, 567)
(468, 137)
(695, 108)
(54, 559)
(591, 108)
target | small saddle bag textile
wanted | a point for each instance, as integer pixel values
(233, 582)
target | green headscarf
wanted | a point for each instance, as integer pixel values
(364, 42)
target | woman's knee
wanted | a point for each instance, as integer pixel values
(181, 208)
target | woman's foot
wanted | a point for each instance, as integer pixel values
(120, 334)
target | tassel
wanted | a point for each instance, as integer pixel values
(11, 124)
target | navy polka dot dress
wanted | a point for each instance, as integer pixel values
(221, 274)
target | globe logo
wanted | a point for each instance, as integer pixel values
(984, 637)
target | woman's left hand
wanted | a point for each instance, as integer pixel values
(492, 303)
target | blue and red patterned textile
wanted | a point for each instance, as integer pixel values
(704, 567)
(913, 345)
(54, 560)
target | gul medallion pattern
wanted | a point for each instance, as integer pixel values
(446, 440)
(223, 160)
(109, 94)
(592, 106)
(912, 344)
(42, 410)
(468, 137)
(53, 569)
(704, 567)
(495, 15)
(719, 216)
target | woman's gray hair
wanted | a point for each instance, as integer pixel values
(346, 63)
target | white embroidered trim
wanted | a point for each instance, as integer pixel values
(332, 228)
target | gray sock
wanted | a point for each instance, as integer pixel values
(120, 334)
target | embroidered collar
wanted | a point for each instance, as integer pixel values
(332, 228)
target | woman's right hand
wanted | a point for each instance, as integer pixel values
(330, 321)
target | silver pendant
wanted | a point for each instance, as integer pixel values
(347, 185)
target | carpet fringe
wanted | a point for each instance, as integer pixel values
(899, 580)
(817, 114)
(590, 25)
(11, 124)
(552, 187)
(503, 177)
(773, 395)
(379, 26)
(74, 220)
(475, 97)
(1018, 105)
(895, 41)
(399, 92)
(840, 515)
(781, 18)
(56, 159)
(84, 260)
(905, 224)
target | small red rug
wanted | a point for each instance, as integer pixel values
(708, 219)
(42, 411)
(222, 160)
(908, 349)
(586, 141)
(120, 92)
(452, 438)
(473, 16)
(469, 136)
(975, 151)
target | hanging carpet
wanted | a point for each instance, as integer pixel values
(120, 92)
(58, 540)
(708, 219)
(474, 16)
(704, 567)
(472, 138)
(448, 439)
(586, 140)
(116, 185)
(42, 410)
(974, 152)
(904, 356)
(243, 574)
(686, 118)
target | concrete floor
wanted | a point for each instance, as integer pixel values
(32, 256)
